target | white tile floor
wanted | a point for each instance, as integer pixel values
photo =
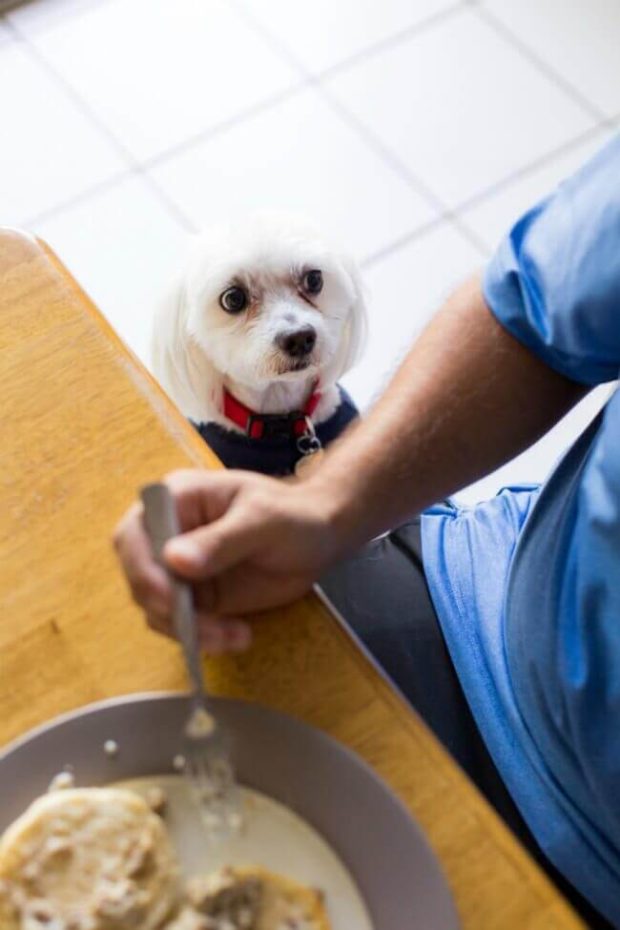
(415, 131)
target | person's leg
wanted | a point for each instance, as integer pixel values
(382, 594)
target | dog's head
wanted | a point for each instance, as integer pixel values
(263, 301)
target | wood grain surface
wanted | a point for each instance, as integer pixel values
(83, 426)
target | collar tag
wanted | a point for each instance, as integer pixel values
(308, 443)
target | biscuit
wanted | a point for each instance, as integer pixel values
(87, 859)
(253, 898)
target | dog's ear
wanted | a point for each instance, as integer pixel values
(177, 361)
(355, 330)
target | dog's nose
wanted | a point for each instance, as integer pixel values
(299, 343)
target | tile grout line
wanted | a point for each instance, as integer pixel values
(133, 166)
(263, 106)
(386, 154)
(426, 193)
(168, 202)
(377, 47)
(563, 149)
(70, 92)
(108, 184)
(454, 214)
(78, 198)
(315, 80)
(543, 67)
(445, 214)
(307, 79)
(487, 194)
(141, 166)
(405, 239)
(383, 45)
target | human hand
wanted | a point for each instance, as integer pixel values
(248, 543)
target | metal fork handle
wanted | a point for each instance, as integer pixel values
(162, 523)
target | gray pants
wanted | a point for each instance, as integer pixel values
(382, 594)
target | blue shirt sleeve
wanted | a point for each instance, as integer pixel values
(554, 282)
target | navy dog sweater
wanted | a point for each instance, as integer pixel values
(272, 455)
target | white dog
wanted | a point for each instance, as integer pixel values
(252, 339)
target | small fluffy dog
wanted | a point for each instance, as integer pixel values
(252, 339)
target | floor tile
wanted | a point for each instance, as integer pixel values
(534, 465)
(493, 217)
(49, 151)
(158, 73)
(123, 247)
(297, 156)
(459, 106)
(323, 33)
(404, 290)
(578, 38)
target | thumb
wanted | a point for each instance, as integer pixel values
(210, 550)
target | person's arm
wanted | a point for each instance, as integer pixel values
(466, 399)
(482, 384)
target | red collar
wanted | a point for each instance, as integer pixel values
(269, 425)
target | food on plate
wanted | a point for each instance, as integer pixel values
(251, 898)
(101, 859)
(156, 799)
(62, 780)
(87, 859)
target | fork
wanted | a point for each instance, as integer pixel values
(205, 759)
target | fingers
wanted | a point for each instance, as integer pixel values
(218, 636)
(151, 589)
(200, 497)
(148, 581)
(215, 635)
(210, 550)
(247, 590)
(203, 551)
(203, 496)
(161, 623)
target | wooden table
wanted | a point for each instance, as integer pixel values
(83, 426)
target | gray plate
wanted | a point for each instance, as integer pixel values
(297, 765)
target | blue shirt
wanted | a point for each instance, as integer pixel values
(527, 585)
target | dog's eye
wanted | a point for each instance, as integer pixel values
(312, 281)
(234, 300)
